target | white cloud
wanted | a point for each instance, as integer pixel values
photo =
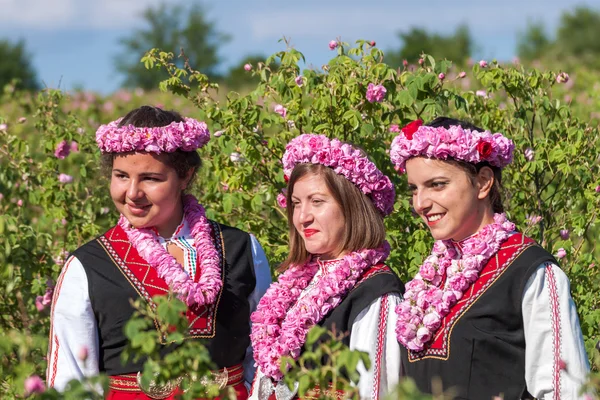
(36, 13)
(66, 14)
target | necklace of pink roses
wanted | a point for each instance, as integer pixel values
(207, 288)
(425, 303)
(277, 331)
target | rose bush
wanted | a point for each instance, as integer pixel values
(54, 197)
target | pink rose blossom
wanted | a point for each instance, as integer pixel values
(3, 127)
(432, 321)
(462, 75)
(427, 271)
(74, 147)
(597, 189)
(62, 150)
(561, 253)
(39, 303)
(483, 64)
(405, 63)
(248, 67)
(64, 178)
(394, 128)
(20, 203)
(441, 76)
(375, 93)
(481, 93)
(299, 80)
(282, 200)
(333, 45)
(281, 110)
(421, 61)
(34, 385)
(529, 154)
(533, 219)
(563, 77)
(564, 234)
(218, 133)
(22, 120)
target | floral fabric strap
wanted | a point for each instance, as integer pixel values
(454, 142)
(187, 135)
(345, 160)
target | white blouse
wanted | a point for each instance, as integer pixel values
(373, 332)
(73, 325)
(556, 364)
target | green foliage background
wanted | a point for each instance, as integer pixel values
(41, 218)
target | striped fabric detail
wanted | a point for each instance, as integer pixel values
(556, 339)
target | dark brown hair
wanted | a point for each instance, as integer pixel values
(154, 117)
(472, 170)
(364, 227)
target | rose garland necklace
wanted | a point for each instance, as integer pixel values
(207, 288)
(277, 331)
(425, 303)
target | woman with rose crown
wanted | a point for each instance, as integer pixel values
(489, 313)
(335, 274)
(162, 242)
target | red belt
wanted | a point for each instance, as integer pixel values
(230, 376)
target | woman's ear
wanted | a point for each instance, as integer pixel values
(187, 179)
(485, 182)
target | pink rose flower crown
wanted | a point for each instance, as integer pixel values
(345, 160)
(187, 135)
(417, 140)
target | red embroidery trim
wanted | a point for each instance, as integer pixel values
(53, 357)
(55, 360)
(554, 309)
(381, 336)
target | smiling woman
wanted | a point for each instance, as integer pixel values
(335, 274)
(162, 243)
(489, 313)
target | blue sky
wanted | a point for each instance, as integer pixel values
(73, 43)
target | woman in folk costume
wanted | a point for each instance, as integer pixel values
(163, 241)
(490, 312)
(335, 273)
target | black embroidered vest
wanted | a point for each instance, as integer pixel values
(479, 350)
(375, 282)
(116, 273)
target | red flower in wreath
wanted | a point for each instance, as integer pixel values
(411, 128)
(485, 149)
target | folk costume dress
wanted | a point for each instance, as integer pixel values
(367, 314)
(91, 307)
(514, 332)
(490, 315)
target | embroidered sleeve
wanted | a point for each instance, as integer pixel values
(72, 328)
(555, 359)
(373, 331)
(263, 281)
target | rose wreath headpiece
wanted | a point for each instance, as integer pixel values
(345, 160)
(186, 135)
(454, 142)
